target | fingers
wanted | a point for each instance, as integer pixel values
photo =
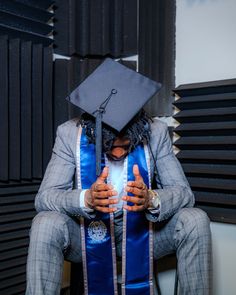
(140, 199)
(104, 194)
(104, 202)
(134, 208)
(138, 181)
(101, 194)
(99, 187)
(136, 191)
(103, 176)
(137, 184)
(136, 173)
(139, 189)
(105, 209)
(135, 200)
(102, 190)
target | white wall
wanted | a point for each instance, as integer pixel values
(206, 51)
(205, 40)
(224, 258)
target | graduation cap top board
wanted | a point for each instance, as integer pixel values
(113, 94)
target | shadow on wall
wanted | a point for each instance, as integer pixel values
(165, 268)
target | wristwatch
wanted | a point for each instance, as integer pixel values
(154, 199)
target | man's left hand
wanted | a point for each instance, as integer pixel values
(140, 191)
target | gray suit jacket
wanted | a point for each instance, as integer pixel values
(57, 189)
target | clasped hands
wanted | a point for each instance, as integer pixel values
(101, 194)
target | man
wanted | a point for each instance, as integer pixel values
(142, 148)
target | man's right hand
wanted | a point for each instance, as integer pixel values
(98, 196)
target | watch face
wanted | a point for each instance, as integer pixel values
(154, 199)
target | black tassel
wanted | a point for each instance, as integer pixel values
(98, 142)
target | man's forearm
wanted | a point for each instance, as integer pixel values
(67, 202)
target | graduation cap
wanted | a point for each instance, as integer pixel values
(113, 94)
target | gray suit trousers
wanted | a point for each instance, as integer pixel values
(56, 236)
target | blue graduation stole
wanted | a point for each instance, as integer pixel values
(97, 235)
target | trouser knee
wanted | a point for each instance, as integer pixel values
(50, 227)
(193, 223)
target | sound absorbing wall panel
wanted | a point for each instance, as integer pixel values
(37, 115)
(4, 147)
(41, 4)
(207, 144)
(24, 24)
(47, 102)
(26, 130)
(14, 109)
(61, 77)
(98, 28)
(156, 51)
(27, 20)
(26, 116)
(16, 213)
(26, 113)
(34, 10)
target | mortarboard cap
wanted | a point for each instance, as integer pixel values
(113, 94)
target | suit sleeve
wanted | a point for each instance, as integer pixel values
(175, 192)
(56, 192)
